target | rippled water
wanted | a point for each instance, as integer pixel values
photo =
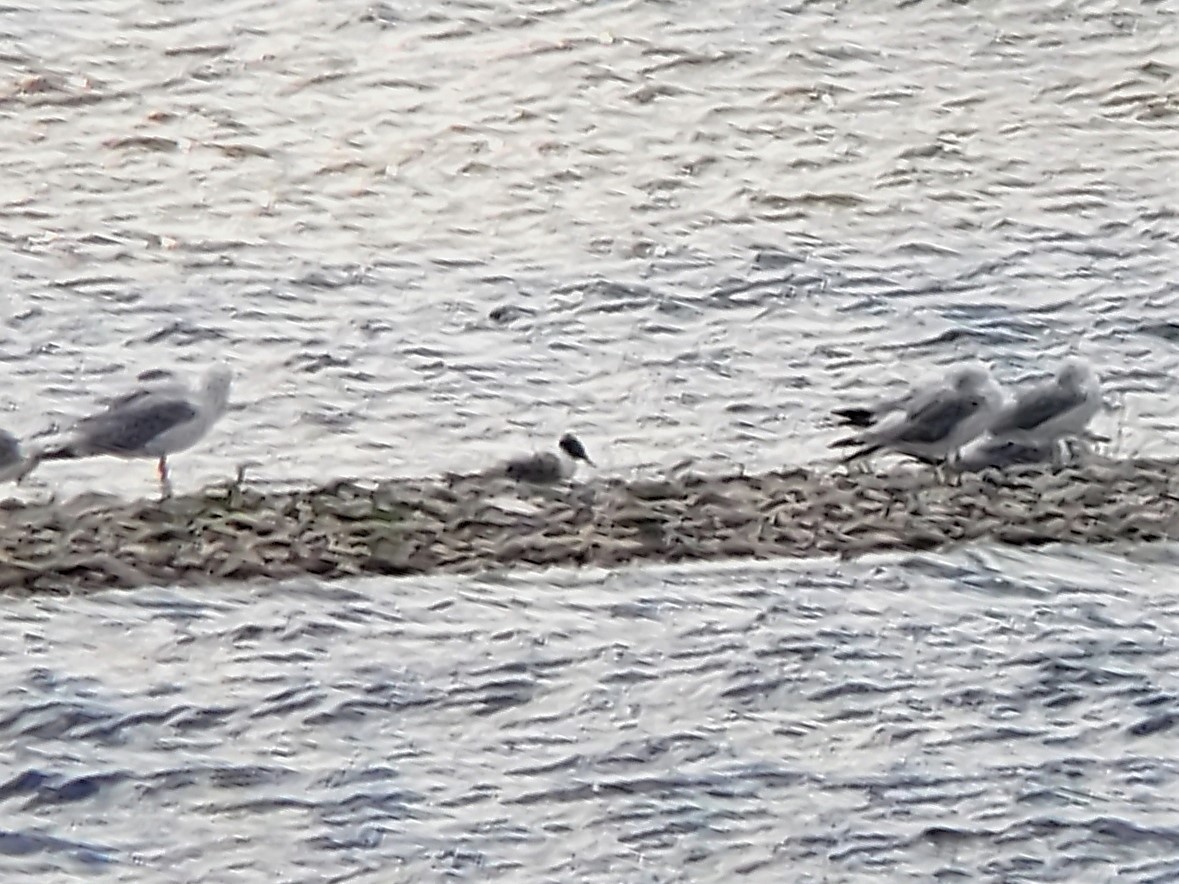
(935, 718)
(426, 234)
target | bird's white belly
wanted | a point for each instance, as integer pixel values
(175, 439)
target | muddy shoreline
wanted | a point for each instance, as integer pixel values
(465, 524)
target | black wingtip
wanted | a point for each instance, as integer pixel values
(855, 417)
(65, 452)
(846, 442)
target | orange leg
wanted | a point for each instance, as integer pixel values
(165, 482)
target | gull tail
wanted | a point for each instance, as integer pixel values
(855, 417)
(846, 442)
(30, 463)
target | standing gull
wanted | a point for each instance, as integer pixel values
(914, 397)
(1054, 410)
(935, 425)
(550, 467)
(154, 421)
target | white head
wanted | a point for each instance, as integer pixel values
(971, 378)
(216, 393)
(1075, 374)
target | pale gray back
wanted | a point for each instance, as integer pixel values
(937, 419)
(127, 430)
(1037, 407)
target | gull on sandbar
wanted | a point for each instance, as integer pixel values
(549, 467)
(914, 397)
(1051, 411)
(151, 422)
(936, 424)
(987, 452)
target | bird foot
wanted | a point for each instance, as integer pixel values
(240, 476)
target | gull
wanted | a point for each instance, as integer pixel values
(915, 396)
(153, 421)
(1051, 411)
(549, 467)
(935, 425)
(991, 453)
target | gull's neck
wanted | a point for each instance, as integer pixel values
(214, 396)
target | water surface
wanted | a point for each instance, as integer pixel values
(429, 234)
(925, 717)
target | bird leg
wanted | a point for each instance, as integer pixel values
(240, 477)
(941, 472)
(31, 463)
(1061, 453)
(947, 470)
(165, 481)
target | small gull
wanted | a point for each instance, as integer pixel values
(549, 467)
(1051, 411)
(914, 397)
(934, 426)
(154, 421)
